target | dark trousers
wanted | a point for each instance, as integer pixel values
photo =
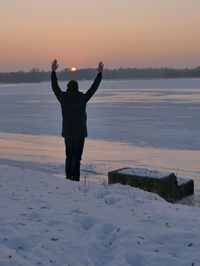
(73, 151)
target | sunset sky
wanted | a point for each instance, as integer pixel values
(80, 33)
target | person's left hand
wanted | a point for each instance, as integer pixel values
(54, 65)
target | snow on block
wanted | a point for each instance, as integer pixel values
(165, 184)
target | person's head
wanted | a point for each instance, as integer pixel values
(72, 86)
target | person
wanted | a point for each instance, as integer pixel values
(74, 118)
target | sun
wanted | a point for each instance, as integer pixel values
(73, 69)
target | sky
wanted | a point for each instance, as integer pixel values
(80, 33)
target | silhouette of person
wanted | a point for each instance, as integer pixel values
(74, 118)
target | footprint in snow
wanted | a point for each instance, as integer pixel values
(19, 244)
(54, 223)
(108, 228)
(135, 259)
(111, 199)
(110, 232)
(86, 222)
(34, 215)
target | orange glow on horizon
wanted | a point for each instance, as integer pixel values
(131, 34)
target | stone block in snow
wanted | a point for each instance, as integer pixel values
(165, 184)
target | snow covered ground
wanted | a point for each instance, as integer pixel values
(48, 220)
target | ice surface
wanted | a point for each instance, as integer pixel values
(46, 154)
(157, 113)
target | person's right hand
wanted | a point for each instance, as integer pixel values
(54, 65)
(100, 67)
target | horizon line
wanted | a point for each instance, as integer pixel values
(93, 68)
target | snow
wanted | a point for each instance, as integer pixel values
(182, 180)
(144, 172)
(48, 220)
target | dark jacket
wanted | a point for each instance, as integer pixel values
(73, 105)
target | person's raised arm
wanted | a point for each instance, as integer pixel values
(54, 83)
(96, 82)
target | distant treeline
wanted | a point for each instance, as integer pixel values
(36, 75)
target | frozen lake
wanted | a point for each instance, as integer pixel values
(137, 123)
(156, 113)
